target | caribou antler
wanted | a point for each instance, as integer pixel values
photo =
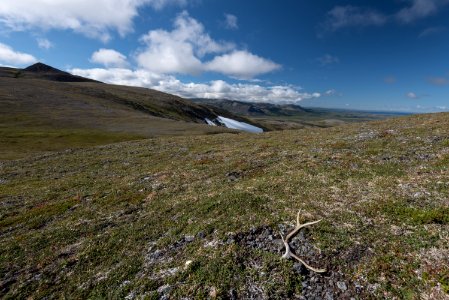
(288, 252)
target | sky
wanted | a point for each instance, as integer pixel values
(385, 55)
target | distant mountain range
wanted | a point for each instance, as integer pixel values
(254, 109)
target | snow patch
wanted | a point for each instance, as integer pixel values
(233, 124)
(209, 122)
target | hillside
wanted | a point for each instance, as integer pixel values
(254, 109)
(291, 116)
(49, 109)
(201, 216)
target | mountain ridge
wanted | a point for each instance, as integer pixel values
(254, 109)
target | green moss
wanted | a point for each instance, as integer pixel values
(418, 216)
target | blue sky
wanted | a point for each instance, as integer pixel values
(376, 55)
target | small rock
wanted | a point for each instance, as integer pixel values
(297, 267)
(124, 283)
(201, 235)
(233, 176)
(213, 292)
(279, 244)
(130, 296)
(232, 294)
(188, 263)
(329, 296)
(189, 238)
(417, 195)
(342, 286)
(373, 287)
(211, 244)
(164, 289)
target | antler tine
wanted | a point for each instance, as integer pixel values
(298, 228)
(306, 265)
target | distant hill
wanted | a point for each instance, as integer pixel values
(42, 71)
(42, 99)
(254, 109)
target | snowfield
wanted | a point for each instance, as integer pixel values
(233, 124)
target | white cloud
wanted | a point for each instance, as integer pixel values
(109, 58)
(217, 89)
(44, 43)
(183, 51)
(348, 16)
(122, 76)
(231, 22)
(420, 9)
(9, 56)
(180, 50)
(241, 64)
(92, 18)
(331, 92)
(412, 95)
(328, 59)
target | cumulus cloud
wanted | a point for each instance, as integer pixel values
(10, 57)
(92, 18)
(180, 50)
(44, 43)
(347, 16)
(183, 51)
(328, 59)
(217, 89)
(109, 58)
(231, 22)
(241, 64)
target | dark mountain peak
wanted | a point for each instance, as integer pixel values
(43, 71)
(42, 68)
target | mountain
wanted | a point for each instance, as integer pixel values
(41, 100)
(43, 71)
(201, 217)
(254, 109)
